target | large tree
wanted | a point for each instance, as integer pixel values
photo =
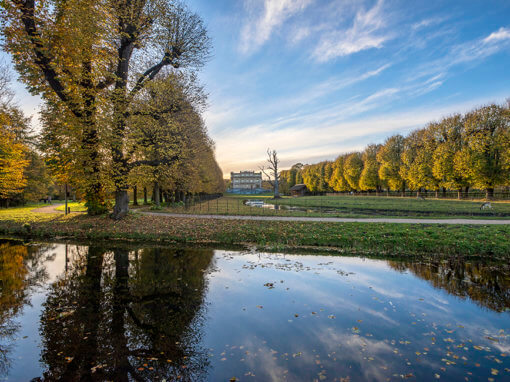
(486, 134)
(353, 167)
(448, 133)
(389, 157)
(370, 179)
(93, 58)
(417, 162)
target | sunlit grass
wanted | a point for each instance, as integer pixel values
(75, 207)
(25, 214)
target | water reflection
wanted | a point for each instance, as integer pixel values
(21, 270)
(488, 284)
(149, 314)
(127, 315)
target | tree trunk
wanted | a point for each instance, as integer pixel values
(135, 196)
(276, 190)
(169, 200)
(157, 200)
(403, 190)
(466, 192)
(489, 193)
(437, 194)
(444, 192)
(418, 192)
(145, 202)
(121, 207)
(459, 193)
(94, 192)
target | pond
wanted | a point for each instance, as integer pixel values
(71, 312)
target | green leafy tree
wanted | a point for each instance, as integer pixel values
(337, 181)
(417, 161)
(389, 157)
(353, 167)
(370, 179)
(486, 141)
(448, 152)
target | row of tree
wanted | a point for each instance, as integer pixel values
(122, 106)
(458, 152)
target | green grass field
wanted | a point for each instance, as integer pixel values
(362, 238)
(348, 206)
(75, 207)
(398, 206)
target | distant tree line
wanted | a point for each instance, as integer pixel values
(457, 153)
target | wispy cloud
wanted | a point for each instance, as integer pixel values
(326, 134)
(366, 32)
(499, 35)
(262, 22)
(428, 22)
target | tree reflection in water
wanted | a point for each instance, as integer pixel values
(487, 284)
(21, 270)
(127, 315)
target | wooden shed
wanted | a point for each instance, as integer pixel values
(298, 190)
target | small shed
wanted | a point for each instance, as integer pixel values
(298, 190)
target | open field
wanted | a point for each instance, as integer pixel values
(346, 206)
(362, 238)
(75, 207)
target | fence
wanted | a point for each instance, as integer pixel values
(343, 205)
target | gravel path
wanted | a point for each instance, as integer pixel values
(334, 220)
(51, 209)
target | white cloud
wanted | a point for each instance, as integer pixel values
(365, 33)
(428, 22)
(501, 34)
(274, 13)
(326, 134)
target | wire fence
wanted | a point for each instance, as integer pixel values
(344, 205)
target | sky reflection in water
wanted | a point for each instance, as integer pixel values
(162, 313)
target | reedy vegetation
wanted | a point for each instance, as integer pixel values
(458, 152)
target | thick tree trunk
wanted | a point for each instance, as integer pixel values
(444, 192)
(466, 193)
(418, 194)
(489, 193)
(135, 196)
(459, 193)
(403, 189)
(94, 193)
(437, 194)
(121, 207)
(145, 202)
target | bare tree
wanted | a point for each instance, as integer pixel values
(272, 168)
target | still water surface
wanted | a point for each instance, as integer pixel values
(149, 314)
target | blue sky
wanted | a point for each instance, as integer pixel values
(315, 78)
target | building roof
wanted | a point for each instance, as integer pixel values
(298, 187)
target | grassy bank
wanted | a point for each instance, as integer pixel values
(364, 238)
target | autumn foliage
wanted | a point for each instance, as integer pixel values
(456, 153)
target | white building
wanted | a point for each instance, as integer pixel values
(246, 180)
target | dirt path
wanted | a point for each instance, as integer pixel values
(334, 220)
(51, 209)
